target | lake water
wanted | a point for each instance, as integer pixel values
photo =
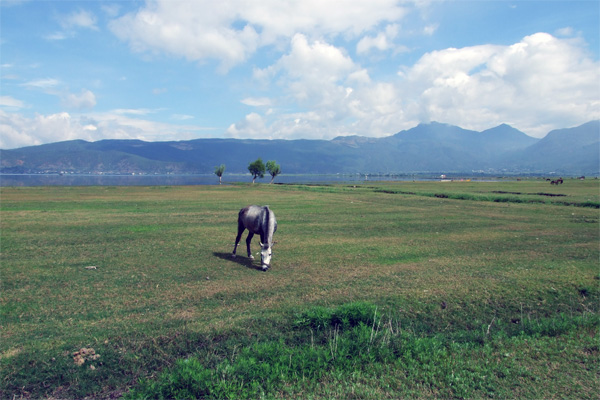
(183, 180)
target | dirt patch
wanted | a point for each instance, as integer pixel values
(85, 354)
(9, 353)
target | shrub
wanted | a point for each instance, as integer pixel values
(346, 316)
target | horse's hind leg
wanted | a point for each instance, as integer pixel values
(248, 240)
(237, 239)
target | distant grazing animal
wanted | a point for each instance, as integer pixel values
(260, 220)
(559, 181)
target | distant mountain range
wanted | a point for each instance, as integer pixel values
(432, 147)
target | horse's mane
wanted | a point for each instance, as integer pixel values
(265, 222)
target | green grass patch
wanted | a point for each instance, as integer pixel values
(143, 275)
(350, 345)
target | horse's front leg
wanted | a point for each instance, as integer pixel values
(248, 240)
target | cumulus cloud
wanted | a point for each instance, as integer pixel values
(307, 60)
(537, 84)
(314, 72)
(319, 81)
(18, 130)
(252, 126)
(85, 99)
(233, 30)
(186, 30)
(316, 61)
(382, 42)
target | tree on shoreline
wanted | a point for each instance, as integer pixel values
(274, 169)
(219, 171)
(257, 169)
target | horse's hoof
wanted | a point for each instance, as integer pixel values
(251, 257)
(233, 256)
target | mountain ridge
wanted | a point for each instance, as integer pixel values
(431, 147)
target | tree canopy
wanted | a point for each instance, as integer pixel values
(219, 171)
(257, 169)
(273, 168)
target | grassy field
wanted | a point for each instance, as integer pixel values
(380, 290)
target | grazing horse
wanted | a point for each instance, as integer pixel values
(259, 220)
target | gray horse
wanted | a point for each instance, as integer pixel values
(259, 220)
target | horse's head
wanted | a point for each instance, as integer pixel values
(265, 256)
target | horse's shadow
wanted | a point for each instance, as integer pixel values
(241, 260)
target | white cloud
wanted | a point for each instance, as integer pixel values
(538, 84)
(315, 76)
(316, 61)
(565, 32)
(17, 130)
(70, 23)
(252, 126)
(185, 29)
(234, 29)
(47, 83)
(79, 19)
(382, 42)
(111, 10)
(181, 117)
(133, 111)
(86, 99)
(429, 30)
(8, 101)
(58, 36)
(256, 101)
(319, 91)
(314, 72)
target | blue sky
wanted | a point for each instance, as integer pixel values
(273, 69)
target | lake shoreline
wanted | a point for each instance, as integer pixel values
(27, 180)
